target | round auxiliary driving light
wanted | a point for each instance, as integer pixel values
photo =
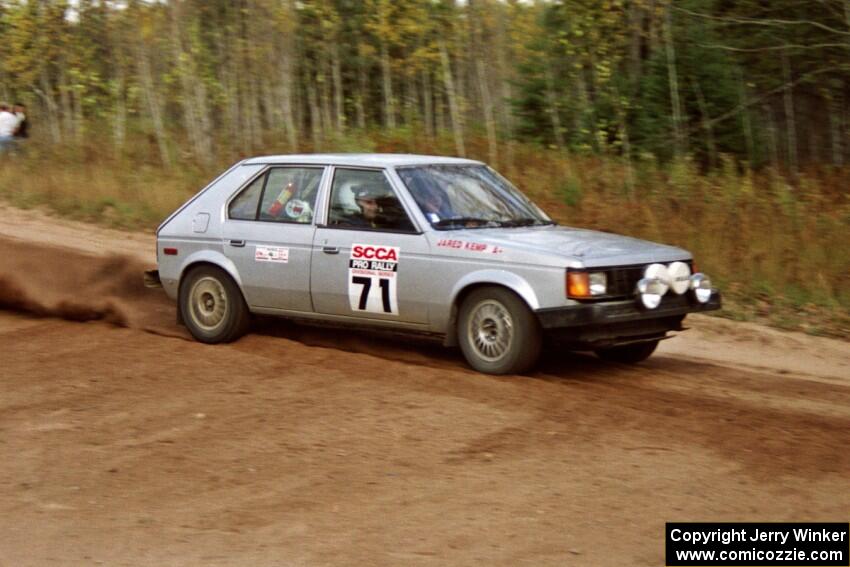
(702, 287)
(650, 291)
(658, 272)
(680, 277)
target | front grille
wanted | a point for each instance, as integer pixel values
(622, 280)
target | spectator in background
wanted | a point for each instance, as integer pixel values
(20, 111)
(8, 127)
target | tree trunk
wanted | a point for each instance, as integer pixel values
(678, 129)
(46, 94)
(706, 124)
(454, 108)
(79, 119)
(489, 119)
(835, 128)
(772, 138)
(654, 39)
(315, 115)
(119, 116)
(362, 90)
(287, 78)
(411, 114)
(338, 94)
(324, 89)
(636, 17)
(427, 103)
(231, 106)
(790, 119)
(746, 118)
(253, 95)
(440, 125)
(152, 101)
(627, 144)
(387, 84)
(66, 112)
(193, 95)
(552, 107)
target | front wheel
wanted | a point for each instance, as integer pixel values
(628, 354)
(212, 306)
(497, 332)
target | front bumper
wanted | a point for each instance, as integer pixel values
(615, 313)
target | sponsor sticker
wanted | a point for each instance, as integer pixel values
(271, 254)
(295, 208)
(470, 246)
(372, 278)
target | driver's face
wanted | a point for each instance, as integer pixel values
(433, 203)
(369, 206)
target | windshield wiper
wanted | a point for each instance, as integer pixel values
(462, 221)
(520, 222)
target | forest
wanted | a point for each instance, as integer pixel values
(720, 125)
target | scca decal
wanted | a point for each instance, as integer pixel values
(373, 278)
(389, 253)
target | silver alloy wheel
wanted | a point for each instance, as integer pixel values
(490, 330)
(207, 303)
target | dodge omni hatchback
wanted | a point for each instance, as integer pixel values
(420, 244)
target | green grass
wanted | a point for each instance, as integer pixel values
(778, 252)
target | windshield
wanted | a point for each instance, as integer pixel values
(469, 196)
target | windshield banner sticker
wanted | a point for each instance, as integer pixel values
(372, 285)
(271, 254)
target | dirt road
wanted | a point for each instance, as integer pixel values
(124, 443)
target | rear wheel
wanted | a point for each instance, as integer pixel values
(497, 332)
(628, 354)
(212, 307)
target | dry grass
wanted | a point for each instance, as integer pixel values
(779, 252)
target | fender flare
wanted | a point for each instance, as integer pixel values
(501, 278)
(211, 257)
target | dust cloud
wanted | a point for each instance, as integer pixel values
(46, 281)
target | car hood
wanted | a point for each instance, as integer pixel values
(589, 247)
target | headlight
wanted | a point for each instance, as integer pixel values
(659, 273)
(701, 286)
(680, 277)
(598, 283)
(583, 285)
(650, 291)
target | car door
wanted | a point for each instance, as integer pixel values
(369, 259)
(268, 233)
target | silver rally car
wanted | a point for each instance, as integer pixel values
(418, 244)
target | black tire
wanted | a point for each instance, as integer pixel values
(628, 354)
(212, 307)
(490, 314)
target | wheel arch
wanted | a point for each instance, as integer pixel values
(212, 259)
(487, 278)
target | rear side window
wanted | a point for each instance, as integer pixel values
(282, 194)
(244, 206)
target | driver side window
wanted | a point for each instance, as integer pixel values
(365, 199)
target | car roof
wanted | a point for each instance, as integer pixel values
(365, 160)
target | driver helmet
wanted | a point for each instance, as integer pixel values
(368, 191)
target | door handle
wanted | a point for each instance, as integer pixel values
(330, 250)
(237, 243)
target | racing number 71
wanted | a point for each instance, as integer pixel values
(384, 283)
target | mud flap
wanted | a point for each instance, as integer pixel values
(151, 278)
